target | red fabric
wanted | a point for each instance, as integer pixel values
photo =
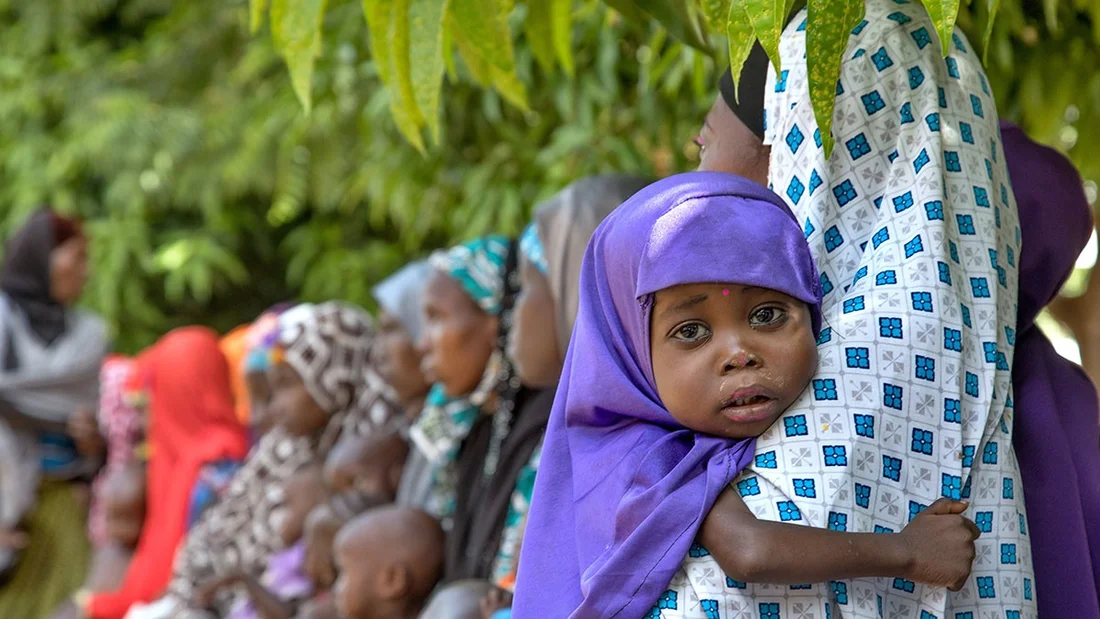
(192, 422)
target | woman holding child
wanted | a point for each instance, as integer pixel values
(913, 232)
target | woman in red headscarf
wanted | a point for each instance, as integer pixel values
(191, 423)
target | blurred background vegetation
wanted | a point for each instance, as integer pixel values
(210, 194)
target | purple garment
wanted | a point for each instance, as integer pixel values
(1057, 432)
(285, 577)
(622, 487)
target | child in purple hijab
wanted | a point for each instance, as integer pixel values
(699, 309)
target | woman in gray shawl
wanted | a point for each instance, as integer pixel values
(50, 355)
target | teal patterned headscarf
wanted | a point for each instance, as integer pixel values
(531, 246)
(478, 266)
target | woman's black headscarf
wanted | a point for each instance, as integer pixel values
(749, 106)
(25, 274)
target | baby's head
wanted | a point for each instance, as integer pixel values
(124, 505)
(304, 491)
(705, 280)
(458, 600)
(370, 465)
(389, 559)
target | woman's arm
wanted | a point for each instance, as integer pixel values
(936, 548)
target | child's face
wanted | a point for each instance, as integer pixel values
(371, 465)
(354, 591)
(304, 491)
(292, 406)
(259, 397)
(124, 504)
(729, 359)
(533, 340)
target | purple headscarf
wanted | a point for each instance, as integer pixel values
(622, 487)
(1057, 433)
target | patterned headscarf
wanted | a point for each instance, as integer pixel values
(913, 224)
(329, 346)
(479, 267)
(532, 249)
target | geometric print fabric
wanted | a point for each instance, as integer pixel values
(914, 229)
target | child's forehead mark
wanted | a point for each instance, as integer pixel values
(725, 292)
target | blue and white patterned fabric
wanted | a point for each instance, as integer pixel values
(531, 247)
(914, 227)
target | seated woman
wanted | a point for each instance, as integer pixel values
(50, 355)
(191, 424)
(318, 375)
(480, 425)
(551, 251)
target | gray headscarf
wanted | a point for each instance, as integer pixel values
(565, 224)
(399, 294)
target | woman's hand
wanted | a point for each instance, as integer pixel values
(940, 545)
(85, 433)
(207, 594)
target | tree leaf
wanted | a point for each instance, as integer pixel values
(484, 26)
(296, 30)
(256, 10)
(379, 15)
(507, 84)
(768, 18)
(539, 28)
(715, 12)
(943, 14)
(828, 24)
(994, 6)
(426, 58)
(682, 18)
(1050, 12)
(741, 37)
(561, 18)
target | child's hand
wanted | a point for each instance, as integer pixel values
(320, 532)
(940, 545)
(206, 595)
(495, 600)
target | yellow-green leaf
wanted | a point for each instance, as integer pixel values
(401, 74)
(1050, 12)
(715, 12)
(426, 58)
(741, 37)
(681, 18)
(379, 15)
(539, 29)
(828, 24)
(296, 30)
(507, 83)
(448, 49)
(561, 18)
(484, 26)
(943, 14)
(994, 6)
(256, 10)
(768, 18)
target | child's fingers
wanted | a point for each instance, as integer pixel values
(947, 506)
(975, 532)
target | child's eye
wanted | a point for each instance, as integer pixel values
(691, 332)
(767, 316)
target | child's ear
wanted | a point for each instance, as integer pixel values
(393, 582)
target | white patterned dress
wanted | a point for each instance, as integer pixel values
(913, 225)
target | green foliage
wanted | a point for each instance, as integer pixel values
(210, 194)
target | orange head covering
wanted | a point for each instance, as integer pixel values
(192, 422)
(235, 345)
